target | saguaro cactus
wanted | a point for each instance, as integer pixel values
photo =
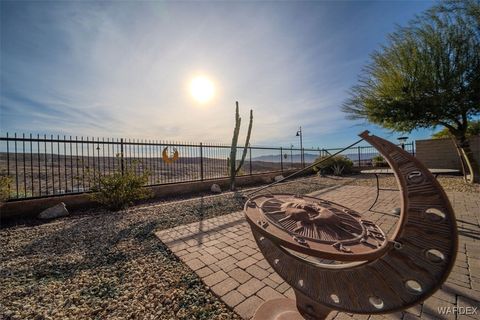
(233, 150)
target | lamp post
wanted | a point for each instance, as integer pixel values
(402, 141)
(299, 134)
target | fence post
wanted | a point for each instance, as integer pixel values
(291, 156)
(121, 156)
(359, 156)
(201, 161)
(250, 156)
(8, 160)
(281, 159)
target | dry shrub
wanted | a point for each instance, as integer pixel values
(119, 190)
(336, 165)
(5, 182)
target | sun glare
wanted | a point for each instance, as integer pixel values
(202, 89)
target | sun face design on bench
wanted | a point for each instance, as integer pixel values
(308, 213)
(324, 222)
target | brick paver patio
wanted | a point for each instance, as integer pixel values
(223, 253)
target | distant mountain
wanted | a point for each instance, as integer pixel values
(309, 158)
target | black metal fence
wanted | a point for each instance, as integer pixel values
(42, 166)
(368, 156)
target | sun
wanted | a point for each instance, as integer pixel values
(202, 89)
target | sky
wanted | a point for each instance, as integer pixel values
(122, 69)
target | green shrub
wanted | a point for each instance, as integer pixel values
(117, 191)
(379, 161)
(5, 182)
(336, 165)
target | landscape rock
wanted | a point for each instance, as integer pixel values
(215, 188)
(56, 211)
(278, 178)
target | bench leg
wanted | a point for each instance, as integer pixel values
(378, 192)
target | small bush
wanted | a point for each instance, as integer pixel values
(379, 161)
(336, 165)
(117, 191)
(5, 182)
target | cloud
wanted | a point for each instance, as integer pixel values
(122, 68)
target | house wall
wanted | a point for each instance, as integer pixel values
(441, 153)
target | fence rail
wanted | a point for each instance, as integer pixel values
(42, 166)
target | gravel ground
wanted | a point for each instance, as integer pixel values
(98, 264)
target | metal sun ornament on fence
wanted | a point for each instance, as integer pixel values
(170, 159)
(334, 259)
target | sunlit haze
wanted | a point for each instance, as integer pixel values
(173, 70)
(202, 89)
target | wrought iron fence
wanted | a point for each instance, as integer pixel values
(42, 166)
(368, 156)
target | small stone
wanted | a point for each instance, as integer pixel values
(278, 178)
(215, 188)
